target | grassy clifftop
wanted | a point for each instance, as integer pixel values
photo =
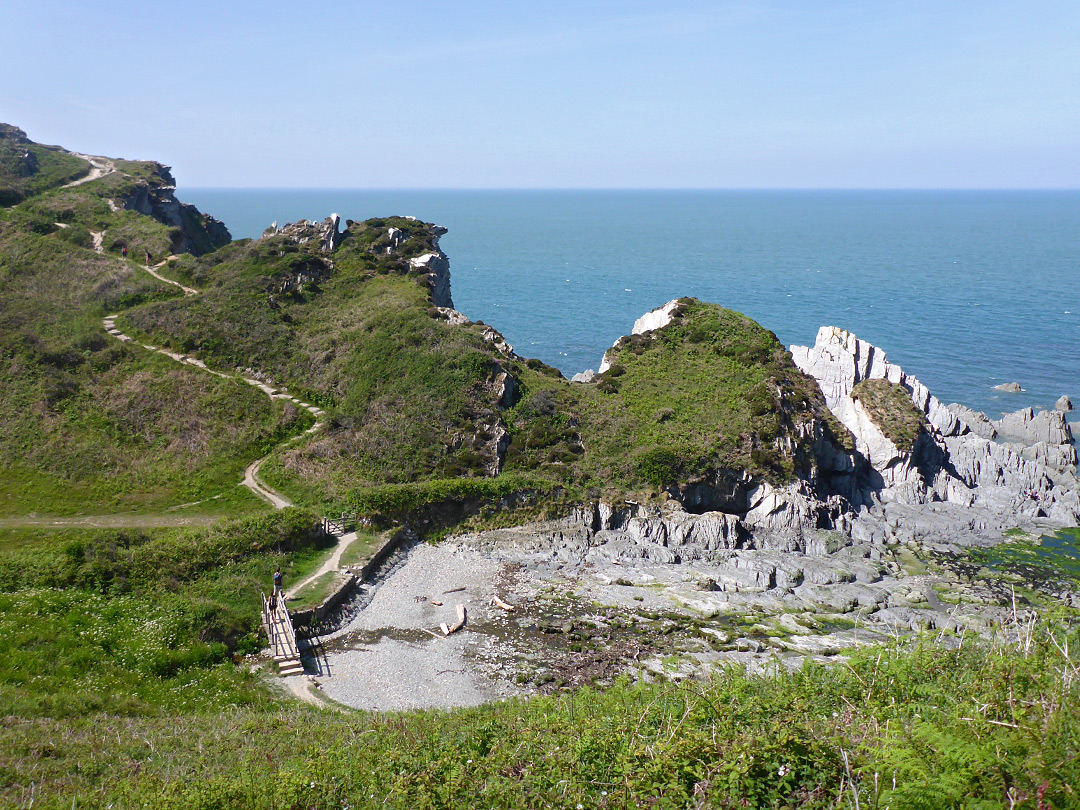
(28, 168)
(712, 390)
(348, 321)
(89, 425)
(413, 397)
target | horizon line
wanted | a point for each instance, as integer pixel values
(640, 188)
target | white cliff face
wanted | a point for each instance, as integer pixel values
(962, 466)
(656, 318)
(437, 268)
(653, 319)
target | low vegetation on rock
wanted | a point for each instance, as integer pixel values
(889, 407)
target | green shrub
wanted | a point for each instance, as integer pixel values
(658, 466)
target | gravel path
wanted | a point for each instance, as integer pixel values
(331, 564)
(99, 167)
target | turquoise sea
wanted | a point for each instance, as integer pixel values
(965, 289)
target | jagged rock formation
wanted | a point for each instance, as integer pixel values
(955, 461)
(196, 233)
(963, 478)
(323, 236)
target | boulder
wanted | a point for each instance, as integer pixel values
(506, 388)
(1063, 404)
(1011, 387)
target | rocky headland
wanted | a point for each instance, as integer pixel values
(873, 539)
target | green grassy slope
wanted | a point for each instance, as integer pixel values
(89, 425)
(413, 398)
(28, 168)
(899, 728)
(139, 621)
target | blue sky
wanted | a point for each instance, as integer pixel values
(600, 95)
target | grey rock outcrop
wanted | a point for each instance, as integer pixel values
(507, 389)
(1009, 388)
(324, 235)
(452, 316)
(1044, 437)
(977, 421)
(197, 233)
(954, 463)
(1063, 404)
(584, 376)
(496, 339)
(437, 269)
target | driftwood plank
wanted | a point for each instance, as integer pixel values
(460, 622)
(501, 603)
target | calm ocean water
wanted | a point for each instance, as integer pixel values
(964, 289)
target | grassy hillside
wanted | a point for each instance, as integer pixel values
(28, 168)
(712, 391)
(89, 425)
(413, 398)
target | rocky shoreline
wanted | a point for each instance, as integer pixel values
(853, 554)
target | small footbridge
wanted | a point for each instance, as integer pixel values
(279, 630)
(275, 615)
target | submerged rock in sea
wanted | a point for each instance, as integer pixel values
(1011, 387)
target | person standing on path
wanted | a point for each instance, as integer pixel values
(123, 252)
(148, 258)
(277, 583)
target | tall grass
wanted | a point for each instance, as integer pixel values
(941, 723)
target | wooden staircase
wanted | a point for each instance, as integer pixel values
(279, 631)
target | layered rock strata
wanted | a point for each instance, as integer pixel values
(961, 458)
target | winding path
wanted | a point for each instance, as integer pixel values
(251, 474)
(152, 270)
(99, 167)
(331, 564)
